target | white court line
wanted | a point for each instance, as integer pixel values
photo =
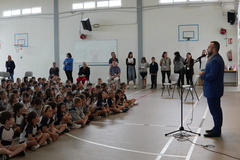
(196, 137)
(123, 149)
(135, 92)
(171, 139)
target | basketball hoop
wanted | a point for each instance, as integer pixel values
(17, 47)
(187, 38)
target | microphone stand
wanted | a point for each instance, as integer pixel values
(181, 128)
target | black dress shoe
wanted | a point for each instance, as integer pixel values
(212, 135)
(209, 131)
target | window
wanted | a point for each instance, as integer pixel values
(115, 3)
(166, 1)
(36, 10)
(88, 5)
(16, 12)
(27, 11)
(180, 0)
(7, 13)
(102, 4)
(77, 6)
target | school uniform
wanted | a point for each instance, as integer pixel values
(76, 113)
(33, 109)
(29, 129)
(6, 135)
(19, 119)
(153, 71)
(46, 121)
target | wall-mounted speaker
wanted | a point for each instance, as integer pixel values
(86, 24)
(231, 17)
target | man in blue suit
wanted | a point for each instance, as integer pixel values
(213, 87)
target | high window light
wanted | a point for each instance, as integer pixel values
(77, 6)
(27, 11)
(89, 5)
(102, 4)
(166, 1)
(7, 13)
(16, 12)
(36, 10)
(180, 0)
(115, 3)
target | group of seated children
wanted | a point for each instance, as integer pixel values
(37, 112)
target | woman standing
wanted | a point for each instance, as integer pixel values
(178, 62)
(83, 73)
(143, 71)
(10, 66)
(68, 67)
(165, 64)
(114, 58)
(189, 62)
(131, 72)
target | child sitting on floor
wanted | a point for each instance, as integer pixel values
(47, 125)
(32, 134)
(6, 137)
(77, 113)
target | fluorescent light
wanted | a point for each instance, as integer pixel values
(88, 5)
(102, 4)
(115, 3)
(27, 11)
(77, 6)
(7, 13)
(36, 10)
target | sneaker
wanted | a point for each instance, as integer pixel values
(121, 111)
(76, 126)
(125, 109)
(23, 153)
(49, 140)
(5, 157)
(135, 87)
(66, 130)
(135, 103)
(34, 148)
(127, 87)
(44, 144)
(97, 118)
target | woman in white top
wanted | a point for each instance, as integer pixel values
(203, 61)
(143, 71)
(131, 72)
(165, 64)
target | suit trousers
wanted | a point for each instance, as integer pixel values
(214, 105)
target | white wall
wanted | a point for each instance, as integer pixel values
(39, 55)
(159, 33)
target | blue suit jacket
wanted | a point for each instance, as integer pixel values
(213, 77)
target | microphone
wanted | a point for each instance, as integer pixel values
(204, 55)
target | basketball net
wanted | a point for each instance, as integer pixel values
(18, 47)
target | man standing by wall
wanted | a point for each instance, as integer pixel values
(213, 87)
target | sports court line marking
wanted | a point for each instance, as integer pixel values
(171, 139)
(133, 124)
(145, 95)
(123, 149)
(196, 137)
